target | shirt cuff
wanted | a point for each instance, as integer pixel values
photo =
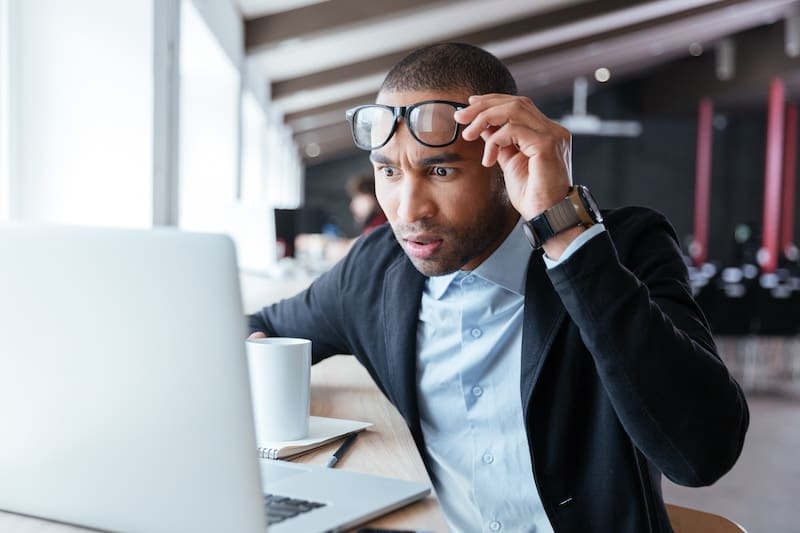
(579, 241)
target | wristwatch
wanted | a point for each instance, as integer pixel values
(578, 208)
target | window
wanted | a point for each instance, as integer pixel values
(209, 128)
(284, 170)
(80, 99)
(253, 183)
(4, 144)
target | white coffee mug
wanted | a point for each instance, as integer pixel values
(280, 384)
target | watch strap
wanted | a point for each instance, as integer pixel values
(551, 222)
(562, 215)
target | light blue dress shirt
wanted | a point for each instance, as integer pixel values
(469, 337)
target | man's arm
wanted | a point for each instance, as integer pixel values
(314, 313)
(652, 348)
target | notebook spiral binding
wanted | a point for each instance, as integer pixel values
(268, 453)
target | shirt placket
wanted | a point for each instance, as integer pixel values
(478, 402)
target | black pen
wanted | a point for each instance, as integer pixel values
(333, 459)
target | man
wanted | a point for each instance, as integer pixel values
(546, 392)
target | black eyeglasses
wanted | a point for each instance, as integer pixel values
(430, 122)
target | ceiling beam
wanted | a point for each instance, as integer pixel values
(404, 31)
(521, 26)
(568, 30)
(327, 17)
(642, 46)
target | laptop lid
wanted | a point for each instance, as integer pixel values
(124, 400)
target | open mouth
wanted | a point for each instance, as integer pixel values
(422, 247)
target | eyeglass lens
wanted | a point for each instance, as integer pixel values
(431, 123)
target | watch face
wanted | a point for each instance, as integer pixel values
(591, 205)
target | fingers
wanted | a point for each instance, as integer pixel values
(512, 139)
(505, 122)
(496, 110)
(257, 335)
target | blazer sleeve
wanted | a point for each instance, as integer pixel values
(652, 347)
(341, 310)
(315, 313)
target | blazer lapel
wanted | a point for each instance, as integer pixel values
(543, 314)
(402, 295)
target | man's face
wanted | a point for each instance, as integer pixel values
(447, 210)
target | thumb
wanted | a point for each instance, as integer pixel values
(257, 335)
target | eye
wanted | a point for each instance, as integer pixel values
(442, 172)
(387, 172)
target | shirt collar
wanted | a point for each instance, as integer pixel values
(506, 267)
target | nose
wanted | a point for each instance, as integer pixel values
(416, 201)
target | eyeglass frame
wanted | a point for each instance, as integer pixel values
(402, 112)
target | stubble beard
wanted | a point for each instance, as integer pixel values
(462, 244)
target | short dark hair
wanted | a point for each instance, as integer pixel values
(448, 66)
(360, 184)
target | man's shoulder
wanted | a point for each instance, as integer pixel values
(629, 227)
(628, 221)
(623, 217)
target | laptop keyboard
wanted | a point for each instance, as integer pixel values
(279, 508)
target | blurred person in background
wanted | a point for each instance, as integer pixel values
(364, 207)
(367, 215)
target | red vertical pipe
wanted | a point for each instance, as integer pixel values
(768, 255)
(702, 181)
(789, 171)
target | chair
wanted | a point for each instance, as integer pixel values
(685, 520)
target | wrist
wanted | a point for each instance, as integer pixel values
(565, 220)
(555, 247)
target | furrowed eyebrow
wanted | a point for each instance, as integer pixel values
(447, 157)
(380, 159)
(438, 159)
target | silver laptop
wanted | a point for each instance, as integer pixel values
(124, 398)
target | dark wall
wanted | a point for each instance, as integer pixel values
(654, 170)
(326, 192)
(325, 189)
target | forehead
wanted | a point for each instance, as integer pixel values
(404, 98)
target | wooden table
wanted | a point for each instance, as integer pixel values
(341, 388)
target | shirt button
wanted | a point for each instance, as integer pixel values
(477, 391)
(495, 526)
(476, 332)
(469, 280)
(488, 459)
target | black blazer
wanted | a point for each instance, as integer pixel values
(620, 380)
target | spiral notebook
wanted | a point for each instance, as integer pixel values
(321, 430)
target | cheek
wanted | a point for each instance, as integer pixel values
(467, 197)
(386, 199)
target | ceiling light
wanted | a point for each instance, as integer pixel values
(313, 150)
(579, 122)
(726, 59)
(792, 36)
(602, 74)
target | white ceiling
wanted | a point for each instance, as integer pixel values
(261, 8)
